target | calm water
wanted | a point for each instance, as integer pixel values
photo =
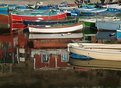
(23, 76)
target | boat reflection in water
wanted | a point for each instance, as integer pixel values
(14, 49)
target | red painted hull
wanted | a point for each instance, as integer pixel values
(16, 20)
(15, 17)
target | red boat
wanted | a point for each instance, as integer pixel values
(16, 17)
(16, 20)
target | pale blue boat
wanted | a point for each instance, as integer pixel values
(108, 23)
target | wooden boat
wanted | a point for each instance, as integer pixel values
(48, 22)
(67, 7)
(88, 22)
(55, 28)
(105, 52)
(17, 19)
(35, 15)
(91, 11)
(113, 6)
(103, 24)
(56, 36)
(4, 10)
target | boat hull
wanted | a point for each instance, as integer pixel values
(15, 17)
(104, 53)
(61, 29)
(48, 22)
(103, 24)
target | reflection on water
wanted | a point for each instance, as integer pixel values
(63, 79)
(24, 76)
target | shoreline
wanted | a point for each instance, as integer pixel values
(45, 2)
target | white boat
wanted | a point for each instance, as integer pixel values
(102, 52)
(56, 29)
(54, 36)
(92, 10)
(67, 7)
(113, 6)
(108, 23)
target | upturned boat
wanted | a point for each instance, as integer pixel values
(55, 28)
(108, 23)
(91, 11)
(49, 22)
(37, 14)
(101, 52)
(88, 22)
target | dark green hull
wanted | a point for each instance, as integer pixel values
(89, 24)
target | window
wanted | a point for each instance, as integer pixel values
(64, 57)
(45, 57)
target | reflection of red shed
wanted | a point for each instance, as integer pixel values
(52, 43)
(51, 59)
(22, 40)
(7, 48)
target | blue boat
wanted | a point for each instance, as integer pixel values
(109, 23)
(4, 10)
(118, 34)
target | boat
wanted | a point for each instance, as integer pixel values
(17, 17)
(48, 22)
(37, 14)
(88, 22)
(4, 10)
(67, 7)
(108, 23)
(112, 6)
(118, 35)
(99, 52)
(56, 36)
(91, 11)
(58, 28)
